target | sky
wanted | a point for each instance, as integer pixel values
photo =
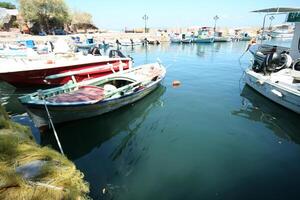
(118, 14)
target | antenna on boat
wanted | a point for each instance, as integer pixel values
(42, 96)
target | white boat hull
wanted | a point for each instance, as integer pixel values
(204, 40)
(288, 98)
(222, 39)
(175, 40)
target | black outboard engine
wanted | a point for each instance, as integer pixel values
(272, 61)
(95, 51)
(116, 54)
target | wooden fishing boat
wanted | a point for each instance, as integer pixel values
(93, 97)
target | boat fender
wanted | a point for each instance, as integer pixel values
(277, 93)
(50, 62)
(261, 82)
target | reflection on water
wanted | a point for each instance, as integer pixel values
(283, 122)
(9, 97)
(107, 146)
(80, 137)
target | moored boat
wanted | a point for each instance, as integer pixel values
(93, 97)
(176, 38)
(275, 72)
(22, 72)
(281, 34)
(204, 36)
(219, 37)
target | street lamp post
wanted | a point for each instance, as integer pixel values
(145, 18)
(216, 19)
(271, 19)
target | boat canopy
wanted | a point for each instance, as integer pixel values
(277, 10)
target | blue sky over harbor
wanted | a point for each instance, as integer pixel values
(118, 14)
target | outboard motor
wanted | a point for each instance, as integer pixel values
(275, 62)
(95, 51)
(116, 54)
(272, 61)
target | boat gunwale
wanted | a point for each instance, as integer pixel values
(99, 102)
(268, 81)
(71, 86)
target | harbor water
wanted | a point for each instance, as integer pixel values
(210, 138)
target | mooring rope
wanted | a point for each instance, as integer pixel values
(51, 123)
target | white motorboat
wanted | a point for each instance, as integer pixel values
(282, 34)
(275, 72)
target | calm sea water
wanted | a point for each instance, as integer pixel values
(211, 138)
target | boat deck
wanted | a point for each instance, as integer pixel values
(83, 94)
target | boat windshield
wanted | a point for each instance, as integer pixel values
(283, 32)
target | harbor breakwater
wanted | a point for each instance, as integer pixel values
(7, 37)
(29, 171)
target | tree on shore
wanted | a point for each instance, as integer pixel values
(7, 5)
(81, 20)
(46, 14)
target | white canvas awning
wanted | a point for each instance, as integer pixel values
(277, 10)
